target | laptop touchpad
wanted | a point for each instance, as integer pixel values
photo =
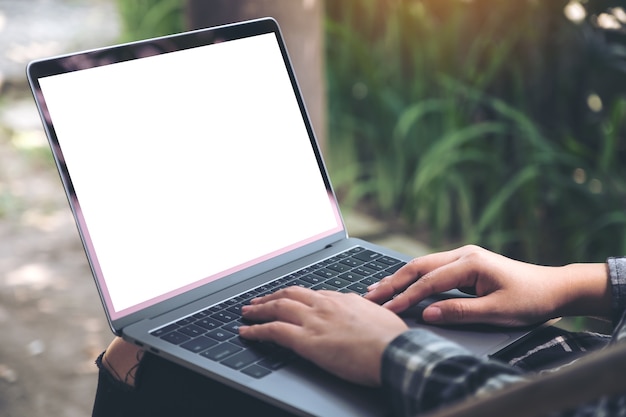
(477, 338)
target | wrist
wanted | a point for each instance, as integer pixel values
(586, 290)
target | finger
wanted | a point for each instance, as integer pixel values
(278, 309)
(458, 274)
(391, 285)
(284, 334)
(394, 284)
(461, 311)
(488, 310)
(296, 293)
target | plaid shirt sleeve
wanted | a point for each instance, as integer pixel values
(617, 274)
(422, 371)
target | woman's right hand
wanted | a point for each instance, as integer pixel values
(508, 292)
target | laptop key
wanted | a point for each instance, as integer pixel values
(378, 266)
(337, 282)
(244, 343)
(163, 330)
(231, 302)
(256, 371)
(339, 267)
(242, 359)
(233, 326)
(224, 316)
(199, 344)
(185, 321)
(209, 323)
(277, 361)
(248, 295)
(324, 286)
(220, 335)
(322, 264)
(215, 309)
(351, 276)
(201, 314)
(175, 338)
(192, 330)
(313, 279)
(221, 352)
(301, 283)
(358, 287)
(265, 289)
(379, 275)
(356, 249)
(352, 262)
(369, 281)
(365, 271)
(326, 273)
(235, 309)
(262, 348)
(367, 255)
(388, 260)
(394, 268)
(281, 281)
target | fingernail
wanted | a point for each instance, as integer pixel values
(373, 286)
(432, 315)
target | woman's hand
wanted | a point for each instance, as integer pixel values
(509, 292)
(342, 333)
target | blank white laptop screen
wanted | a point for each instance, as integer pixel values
(188, 166)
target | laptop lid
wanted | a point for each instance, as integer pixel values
(158, 145)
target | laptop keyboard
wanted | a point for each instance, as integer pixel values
(214, 332)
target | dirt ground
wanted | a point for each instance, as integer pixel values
(51, 320)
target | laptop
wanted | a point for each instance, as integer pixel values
(196, 183)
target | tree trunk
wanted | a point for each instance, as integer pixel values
(301, 22)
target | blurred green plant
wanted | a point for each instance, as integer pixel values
(475, 122)
(483, 121)
(143, 19)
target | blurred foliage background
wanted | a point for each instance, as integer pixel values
(500, 123)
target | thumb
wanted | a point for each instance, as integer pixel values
(456, 311)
